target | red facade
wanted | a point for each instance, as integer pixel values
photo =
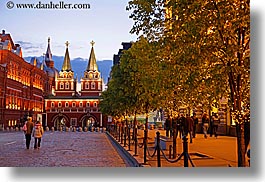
(70, 107)
(22, 85)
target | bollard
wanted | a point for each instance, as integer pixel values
(125, 132)
(158, 149)
(135, 142)
(174, 143)
(85, 129)
(119, 134)
(80, 129)
(129, 139)
(170, 150)
(122, 133)
(66, 129)
(52, 129)
(47, 128)
(145, 146)
(185, 151)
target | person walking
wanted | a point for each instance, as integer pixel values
(37, 134)
(215, 124)
(189, 126)
(205, 124)
(196, 121)
(28, 131)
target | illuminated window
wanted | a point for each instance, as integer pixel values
(52, 104)
(59, 104)
(66, 104)
(93, 85)
(61, 85)
(73, 104)
(80, 104)
(95, 104)
(99, 86)
(86, 85)
(87, 104)
(67, 85)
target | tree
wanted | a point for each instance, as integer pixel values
(207, 43)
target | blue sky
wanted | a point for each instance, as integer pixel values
(106, 22)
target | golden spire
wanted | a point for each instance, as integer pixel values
(66, 64)
(92, 62)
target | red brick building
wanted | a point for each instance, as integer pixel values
(69, 106)
(22, 85)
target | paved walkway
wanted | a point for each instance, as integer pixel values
(210, 152)
(67, 149)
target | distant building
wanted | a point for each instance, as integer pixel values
(69, 106)
(22, 85)
(117, 57)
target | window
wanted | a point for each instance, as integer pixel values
(67, 85)
(52, 104)
(73, 121)
(99, 86)
(66, 104)
(73, 104)
(87, 104)
(59, 104)
(86, 85)
(93, 85)
(95, 104)
(80, 104)
(61, 85)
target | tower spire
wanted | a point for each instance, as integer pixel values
(92, 62)
(66, 64)
(48, 56)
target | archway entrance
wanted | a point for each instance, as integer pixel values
(89, 122)
(59, 121)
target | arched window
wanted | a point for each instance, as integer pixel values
(87, 85)
(66, 104)
(59, 104)
(87, 104)
(95, 104)
(93, 85)
(80, 104)
(61, 85)
(73, 104)
(67, 85)
(52, 104)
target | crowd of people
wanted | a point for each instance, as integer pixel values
(188, 125)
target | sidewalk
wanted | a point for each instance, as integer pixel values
(210, 152)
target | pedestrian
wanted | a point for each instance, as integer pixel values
(179, 127)
(215, 124)
(196, 121)
(205, 124)
(167, 125)
(37, 134)
(28, 131)
(189, 126)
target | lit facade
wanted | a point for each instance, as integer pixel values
(70, 107)
(22, 85)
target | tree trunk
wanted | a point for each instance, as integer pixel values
(241, 148)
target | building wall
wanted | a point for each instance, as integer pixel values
(22, 89)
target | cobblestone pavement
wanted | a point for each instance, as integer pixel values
(59, 149)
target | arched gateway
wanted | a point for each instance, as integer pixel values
(89, 121)
(60, 120)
